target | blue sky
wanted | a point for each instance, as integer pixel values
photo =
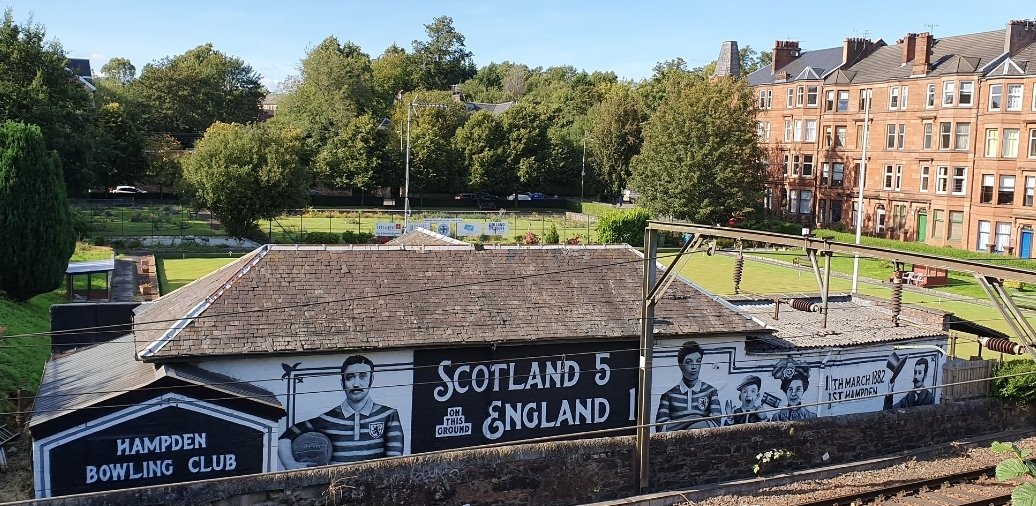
(627, 37)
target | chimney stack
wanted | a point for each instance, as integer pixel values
(784, 52)
(729, 62)
(922, 55)
(1020, 33)
(853, 49)
(909, 47)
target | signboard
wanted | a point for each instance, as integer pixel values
(168, 445)
(469, 229)
(497, 228)
(473, 396)
(388, 229)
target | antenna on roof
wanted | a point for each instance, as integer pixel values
(866, 34)
(931, 27)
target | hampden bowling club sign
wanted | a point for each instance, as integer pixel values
(474, 396)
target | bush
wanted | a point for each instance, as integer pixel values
(574, 239)
(350, 237)
(1017, 388)
(99, 241)
(623, 226)
(551, 237)
(530, 237)
(320, 238)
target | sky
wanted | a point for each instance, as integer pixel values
(627, 37)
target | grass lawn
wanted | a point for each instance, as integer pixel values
(176, 272)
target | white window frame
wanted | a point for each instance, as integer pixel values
(887, 179)
(1015, 93)
(791, 98)
(838, 101)
(926, 173)
(1010, 149)
(798, 130)
(901, 137)
(929, 101)
(958, 136)
(942, 180)
(998, 104)
(879, 220)
(1030, 191)
(899, 178)
(810, 134)
(787, 130)
(1032, 143)
(904, 92)
(949, 89)
(815, 94)
(970, 93)
(962, 178)
(927, 139)
(1005, 183)
(890, 136)
(841, 133)
(800, 96)
(987, 191)
(992, 142)
(893, 98)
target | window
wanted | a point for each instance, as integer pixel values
(985, 196)
(829, 137)
(1005, 194)
(927, 136)
(805, 201)
(840, 136)
(843, 101)
(825, 173)
(798, 130)
(791, 98)
(795, 165)
(963, 136)
(861, 132)
(765, 99)
(787, 130)
(1014, 97)
(904, 92)
(894, 97)
(793, 202)
(836, 211)
(811, 130)
(879, 221)
(865, 99)
(837, 175)
(959, 175)
(929, 100)
(938, 220)
(800, 93)
(1032, 143)
(992, 142)
(945, 135)
(901, 140)
(807, 165)
(768, 199)
(1010, 143)
(762, 129)
(1030, 190)
(787, 166)
(995, 96)
(811, 96)
(822, 211)
(983, 235)
(947, 92)
(956, 225)
(829, 100)
(887, 181)
(899, 213)
(899, 178)
(1003, 237)
(967, 90)
(890, 136)
(856, 213)
(942, 180)
(925, 174)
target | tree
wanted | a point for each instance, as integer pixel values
(700, 159)
(443, 59)
(119, 70)
(752, 60)
(393, 72)
(246, 172)
(614, 137)
(528, 146)
(34, 212)
(183, 95)
(335, 86)
(356, 157)
(118, 156)
(36, 88)
(163, 154)
(482, 144)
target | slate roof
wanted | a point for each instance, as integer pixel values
(950, 55)
(494, 109)
(851, 321)
(292, 299)
(424, 237)
(109, 369)
(822, 61)
(79, 67)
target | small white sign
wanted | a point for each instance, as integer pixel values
(497, 228)
(388, 229)
(469, 229)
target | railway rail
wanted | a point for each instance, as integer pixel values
(972, 488)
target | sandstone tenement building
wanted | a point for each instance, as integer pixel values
(951, 144)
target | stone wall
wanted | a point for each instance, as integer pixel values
(584, 471)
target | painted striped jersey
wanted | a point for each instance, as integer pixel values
(373, 431)
(681, 407)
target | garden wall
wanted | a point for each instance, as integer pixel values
(588, 470)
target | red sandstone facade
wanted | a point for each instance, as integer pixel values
(951, 143)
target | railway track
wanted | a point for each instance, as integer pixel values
(973, 488)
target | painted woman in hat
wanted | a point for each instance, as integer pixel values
(794, 386)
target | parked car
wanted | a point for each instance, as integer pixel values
(465, 196)
(630, 196)
(538, 196)
(128, 190)
(520, 196)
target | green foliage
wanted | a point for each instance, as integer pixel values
(393, 72)
(482, 145)
(119, 69)
(623, 226)
(614, 137)
(1015, 380)
(765, 459)
(442, 58)
(700, 160)
(355, 157)
(350, 237)
(929, 249)
(244, 173)
(1015, 467)
(118, 156)
(36, 89)
(320, 238)
(551, 237)
(163, 156)
(34, 213)
(530, 238)
(528, 146)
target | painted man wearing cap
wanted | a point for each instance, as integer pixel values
(690, 400)
(749, 394)
(358, 429)
(920, 396)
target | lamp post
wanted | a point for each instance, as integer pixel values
(406, 178)
(861, 177)
(582, 173)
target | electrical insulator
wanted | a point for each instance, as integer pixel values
(1002, 345)
(739, 268)
(897, 298)
(805, 305)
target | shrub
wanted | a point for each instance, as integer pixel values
(623, 226)
(1017, 388)
(320, 238)
(551, 237)
(99, 241)
(80, 223)
(574, 239)
(530, 237)
(350, 237)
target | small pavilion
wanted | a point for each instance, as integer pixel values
(105, 268)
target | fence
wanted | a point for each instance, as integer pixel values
(957, 370)
(145, 219)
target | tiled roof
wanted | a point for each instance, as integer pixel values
(424, 237)
(494, 109)
(308, 299)
(851, 321)
(950, 55)
(821, 61)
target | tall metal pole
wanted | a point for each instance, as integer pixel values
(582, 173)
(859, 182)
(406, 183)
(647, 343)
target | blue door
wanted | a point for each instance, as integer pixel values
(1025, 248)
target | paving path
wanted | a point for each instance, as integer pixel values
(124, 279)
